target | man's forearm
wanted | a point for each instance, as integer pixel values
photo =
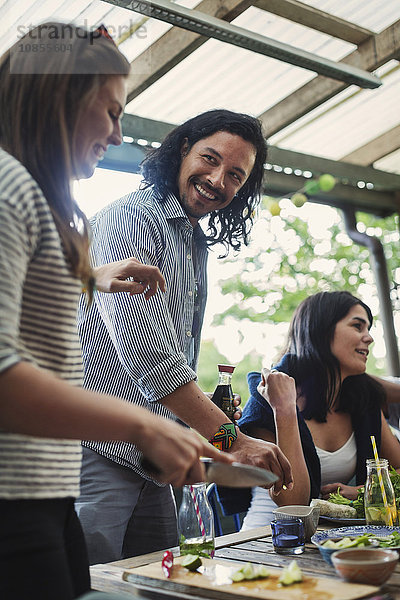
(392, 389)
(194, 408)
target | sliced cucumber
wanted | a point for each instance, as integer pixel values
(191, 562)
(248, 572)
(262, 572)
(237, 576)
(291, 574)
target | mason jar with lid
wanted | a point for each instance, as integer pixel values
(379, 498)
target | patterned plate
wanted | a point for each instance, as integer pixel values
(341, 521)
(379, 530)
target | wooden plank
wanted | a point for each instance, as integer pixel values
(108, 577)
(242, 536)
(381, 146)
(175, 45)
(222, 541)
(148, 129)
(248, 548)
(370, 55)
(315, 19)
(212, 581)
(261, 552)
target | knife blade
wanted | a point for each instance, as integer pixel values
(226, 474)
(236, 474)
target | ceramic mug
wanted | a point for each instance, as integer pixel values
(308, 514)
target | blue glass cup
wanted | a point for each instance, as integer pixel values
(288, 536)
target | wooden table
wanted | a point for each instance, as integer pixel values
(248, 546)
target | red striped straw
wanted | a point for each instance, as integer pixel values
(198, 515)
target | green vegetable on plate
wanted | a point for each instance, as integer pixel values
(367, 539)
(358, 503)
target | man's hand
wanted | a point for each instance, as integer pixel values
(266, 455)
(173, 452)
(113, 277)
(236, 402)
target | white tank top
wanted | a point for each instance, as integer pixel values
(339, 465)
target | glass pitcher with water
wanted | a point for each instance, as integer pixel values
(196, 522)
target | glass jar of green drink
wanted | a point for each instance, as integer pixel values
(379, 498)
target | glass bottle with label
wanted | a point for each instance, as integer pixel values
(379, 497)
(196, 522)
(223, 395)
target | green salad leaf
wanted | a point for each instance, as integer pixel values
(358, 503)
(337, 498)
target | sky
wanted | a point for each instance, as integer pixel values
(233, 342)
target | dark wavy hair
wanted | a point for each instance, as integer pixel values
(314, 367)
(231, 225)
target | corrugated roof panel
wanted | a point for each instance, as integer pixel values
(375, 15)
(219, 74)
(362, 115)
(19, 17)
(150, 31)
(390, 163)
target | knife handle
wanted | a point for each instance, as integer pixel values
(149, 466)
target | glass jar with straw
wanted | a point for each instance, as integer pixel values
(379, 497)
(196, 522)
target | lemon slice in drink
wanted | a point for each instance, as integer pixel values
(374, 514)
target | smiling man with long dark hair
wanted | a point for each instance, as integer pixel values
(209, 167)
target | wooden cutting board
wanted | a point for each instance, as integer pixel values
(213, 581)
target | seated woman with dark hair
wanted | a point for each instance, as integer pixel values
(319, 406)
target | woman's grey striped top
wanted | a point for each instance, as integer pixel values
(38, 299)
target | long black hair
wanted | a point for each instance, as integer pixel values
(314, 367)
(231, 225)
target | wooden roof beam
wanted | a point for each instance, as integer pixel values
(347, 173)
(315, 19)
(370, 55)
(377, 202)
(381, 146)
(175, 45)
(155, 131)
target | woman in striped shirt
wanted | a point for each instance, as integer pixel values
(62, 93)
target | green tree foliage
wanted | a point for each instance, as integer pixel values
(287, 263)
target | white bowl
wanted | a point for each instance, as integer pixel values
(308, 514)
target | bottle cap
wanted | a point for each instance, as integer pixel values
(226, 368)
